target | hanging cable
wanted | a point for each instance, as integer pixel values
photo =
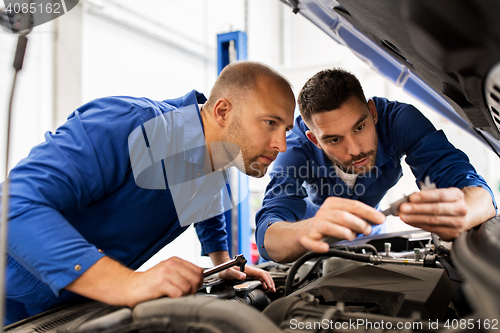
(18, 65)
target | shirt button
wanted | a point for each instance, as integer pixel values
(217, 184)
(262, 246)
(269, 224)
(78, 267)
(198, 175)
(101, 251)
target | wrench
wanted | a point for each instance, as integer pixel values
(238, 260)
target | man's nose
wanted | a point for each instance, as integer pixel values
(354, 147)
(279, 142)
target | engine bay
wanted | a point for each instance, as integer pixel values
(398, 282)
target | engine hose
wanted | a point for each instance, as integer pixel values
(311, 271)
(367, 247)
(441, 249)
(256, 298)
(308, 256)
(354, 248)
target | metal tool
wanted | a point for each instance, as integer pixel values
(238, 260)
(394, 207)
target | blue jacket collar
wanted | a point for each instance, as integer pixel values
(195, 146)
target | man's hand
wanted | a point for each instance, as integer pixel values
(449, 211)
(232, 273)
(110, 282)
(251, 272)
(173, 277)
(339, 218)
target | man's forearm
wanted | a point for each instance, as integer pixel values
(219, 257)
(479, 206)
(104, 281)
(110, 282)
(282, 241)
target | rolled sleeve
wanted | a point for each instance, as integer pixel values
(212, 235)
(75, 270)
(261, 233)
(57, 266)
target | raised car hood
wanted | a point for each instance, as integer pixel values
(446, 53)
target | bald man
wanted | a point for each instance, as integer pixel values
(125, 176)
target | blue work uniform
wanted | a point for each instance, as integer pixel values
(74, 199)
(303, 177)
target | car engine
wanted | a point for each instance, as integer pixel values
(401, 282)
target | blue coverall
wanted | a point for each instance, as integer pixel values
(303, 177)
(74, 199)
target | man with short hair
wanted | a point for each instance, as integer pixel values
(125, 176)
(343, 156)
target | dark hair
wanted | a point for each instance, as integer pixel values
(328, 90)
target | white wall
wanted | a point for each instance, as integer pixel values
(163, 49)
(32, 106)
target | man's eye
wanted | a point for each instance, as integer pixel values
(360, 127)
(334, 140)
(271, 122)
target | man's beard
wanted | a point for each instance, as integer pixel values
(237, 135)
(350, 168)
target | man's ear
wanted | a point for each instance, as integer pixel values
(373, 110)
(221, 111)
(313, 138)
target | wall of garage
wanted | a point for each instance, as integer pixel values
(163, 49)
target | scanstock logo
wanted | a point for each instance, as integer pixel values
(169, 153)
(24, 14)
